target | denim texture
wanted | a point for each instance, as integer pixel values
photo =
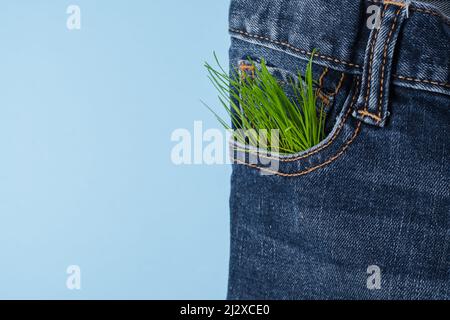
(376, 191)
(442, 5)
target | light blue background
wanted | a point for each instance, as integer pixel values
(85, 171)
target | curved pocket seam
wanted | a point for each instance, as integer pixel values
(301, 173)
(323, 147)
(323, 164)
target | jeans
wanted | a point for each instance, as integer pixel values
(366, 213)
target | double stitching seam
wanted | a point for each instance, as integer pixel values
(443, 84)
(395, 3)
(383, 68)
(425, 11)
(433, 13)
(370, 69)
(301, 173)
(436, 83)
(288, 45)
(323, 147)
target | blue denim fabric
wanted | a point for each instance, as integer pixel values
(376, 191)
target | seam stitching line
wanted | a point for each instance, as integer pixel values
(339, 86)
(383, 68)
(301, 173)
(323, 97)
(288, 45)
(433, 13)
(370, 115)
(395, 3)
(426, 11)
(327, 97)
(441, 84)
(372, 53)
(320, 93)
(322, 76)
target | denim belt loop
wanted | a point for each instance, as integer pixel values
(373, 101)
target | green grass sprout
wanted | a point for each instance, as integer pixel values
(259, 103)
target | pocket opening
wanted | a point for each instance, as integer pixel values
(332, 89)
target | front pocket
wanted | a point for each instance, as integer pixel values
(337, 92)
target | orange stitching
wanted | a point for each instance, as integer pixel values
(288, 45)
(324, 73)
(386, 45)
(321, 95)
(339, 86)
(443, 84)
(395, 3)
(426, 11)
(338, 130)
(326, 97)
(372, 50)
(301, 173)
(243, 67)
(366, 113)
(433, 13)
